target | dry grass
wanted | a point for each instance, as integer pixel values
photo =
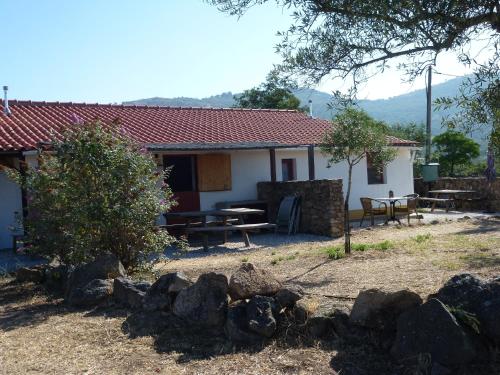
(39, 335)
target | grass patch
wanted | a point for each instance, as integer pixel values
(381, 246)
(244, 260)
(334, 252)
(421, 238)
(275, 261)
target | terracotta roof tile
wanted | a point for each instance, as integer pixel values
(31, 123)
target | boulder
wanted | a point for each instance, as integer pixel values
(289, 295)
(106, 266)
(260, 315)
(129, 293)
(150, 323)
(249, 281)
(56, 278)
(304, 309)
(31, 274)
(94, 293)
(431, 328)
(379, 309)
(478, 297)
(236, 327)
(205, 302)
(162, 293)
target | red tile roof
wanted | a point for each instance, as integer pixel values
(32, 123)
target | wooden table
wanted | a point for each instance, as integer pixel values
(449, 194)
(392, 203)
(225, 226)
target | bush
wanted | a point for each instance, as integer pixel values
(95, 192)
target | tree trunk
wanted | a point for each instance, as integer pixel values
(347, 222)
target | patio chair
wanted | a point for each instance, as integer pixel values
(369, 210)
(411, 207)
(288, 216)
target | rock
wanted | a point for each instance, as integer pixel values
(92, 294)
(289, 295)
(260, 315)
(205, 302)
(431, 328)
(304, 309)
(236, 327)
(106, 266)
(162, 293)
(469, 293)
(319, 326)
(463, 291)
(128, 293)
(150, 323)
(379, 309)
(249, 281)
(56, 278)
(33, 274)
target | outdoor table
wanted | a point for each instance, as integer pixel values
(392, 203)
(451, 194)
(225, 213)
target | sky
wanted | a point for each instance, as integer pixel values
(109, 51)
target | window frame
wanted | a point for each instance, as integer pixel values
(375, 177)
(289, 162)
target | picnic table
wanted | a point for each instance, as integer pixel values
(201, 222)
(392, 205)
(447, 196)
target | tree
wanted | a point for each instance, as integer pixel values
(479, 106)
(358, 38)
(94, 192)
(412, 132)
(454, 149)
(352, 137)
(274, 93)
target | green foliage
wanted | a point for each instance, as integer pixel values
(454, 149)
(353, 136)
(411, 132)
(478, 101)
(273, 93)
(334, 252)
(381, 246)
(421, 238)
(358, 38)
(95, 192)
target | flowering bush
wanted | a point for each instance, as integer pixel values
(95, 191)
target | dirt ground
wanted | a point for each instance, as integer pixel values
(43, 336)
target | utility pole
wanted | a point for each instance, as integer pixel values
(428, 122)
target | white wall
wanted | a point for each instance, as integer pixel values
(10, 202)
(250, 167)
(247, 168)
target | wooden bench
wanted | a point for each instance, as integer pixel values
(243, 228)
(447, 202)
(196, 224)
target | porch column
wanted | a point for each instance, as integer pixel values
(310, 161)
(272, 159)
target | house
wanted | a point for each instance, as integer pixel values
(217, 154)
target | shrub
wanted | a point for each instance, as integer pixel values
(96, 191)
(334, 252)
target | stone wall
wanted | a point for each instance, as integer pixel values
(490, 194)
(322, 204)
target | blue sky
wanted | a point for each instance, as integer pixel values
(115, 50)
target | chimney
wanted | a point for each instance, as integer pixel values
(6, 108)
(311, 108)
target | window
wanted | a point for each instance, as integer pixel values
(375, 176)
(182, 176)
(288, 169)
